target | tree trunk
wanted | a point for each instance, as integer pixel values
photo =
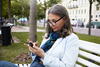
(32, 21)
(9, 8)
(90, 11)
(1, 14)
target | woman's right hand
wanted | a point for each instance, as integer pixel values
(34, 43)
(37, 50)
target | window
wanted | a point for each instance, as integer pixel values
(91, 16)
(96, 20)
(79, 11)
(76, 11)
(97, 7)
(74, 0)
(84, 11)
(96, 16)
(84, 19)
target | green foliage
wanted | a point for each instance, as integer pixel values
(98, 1)
(16, 8)
(52, 2)
(20, 8)
(41, 8)
(40, 11)
(4, 8)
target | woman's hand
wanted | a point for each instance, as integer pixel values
(36, 50)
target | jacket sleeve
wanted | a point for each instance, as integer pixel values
(69, 58)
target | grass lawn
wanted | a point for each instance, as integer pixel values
(40, 27)
(86, 37)
(8, 53)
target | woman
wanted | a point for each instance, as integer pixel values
(59, 48)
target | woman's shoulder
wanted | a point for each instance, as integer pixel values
(72, 36)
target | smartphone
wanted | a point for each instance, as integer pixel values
(30, 44)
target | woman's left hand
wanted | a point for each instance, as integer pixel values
(38, 51)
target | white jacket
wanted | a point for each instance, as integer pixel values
(63, 53)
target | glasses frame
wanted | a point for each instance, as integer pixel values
(52, 23)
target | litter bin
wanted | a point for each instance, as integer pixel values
(6, 35)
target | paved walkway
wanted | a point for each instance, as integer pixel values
(94, 32)
(26, 29)
(23, 29)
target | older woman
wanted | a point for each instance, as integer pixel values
(59, 48)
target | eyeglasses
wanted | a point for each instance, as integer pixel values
(52, 22)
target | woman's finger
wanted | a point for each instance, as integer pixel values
(32, 49)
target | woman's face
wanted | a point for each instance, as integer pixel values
(56, 22)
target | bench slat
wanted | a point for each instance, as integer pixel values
(16, 64)
(87, 63)
(20, 65)
(92, 47)
(25, 65)
(77, 65)
(29, 65)
(90, 56)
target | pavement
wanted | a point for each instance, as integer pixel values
(26, 29)
(94, 31)
(23, 29)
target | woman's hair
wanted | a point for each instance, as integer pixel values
(62, 12)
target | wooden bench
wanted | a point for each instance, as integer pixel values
(89, 55)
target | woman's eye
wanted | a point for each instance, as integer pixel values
(53, 20)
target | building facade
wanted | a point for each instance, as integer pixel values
(79, 10)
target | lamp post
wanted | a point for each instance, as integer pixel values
(90, 11)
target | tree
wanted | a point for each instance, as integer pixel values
(90, 11)
(42, 7)
(40, 11)
(1, 14)
(16, 8)
(9, 9)
(98, 1)
(32, 21)
(20, 8)
(4, 8)
(50, 3)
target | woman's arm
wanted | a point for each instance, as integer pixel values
(40, 50)
(69, 57)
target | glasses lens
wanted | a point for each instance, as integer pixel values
(51, 22)
(54, 21)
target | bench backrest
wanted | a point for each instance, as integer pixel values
(89, 54)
